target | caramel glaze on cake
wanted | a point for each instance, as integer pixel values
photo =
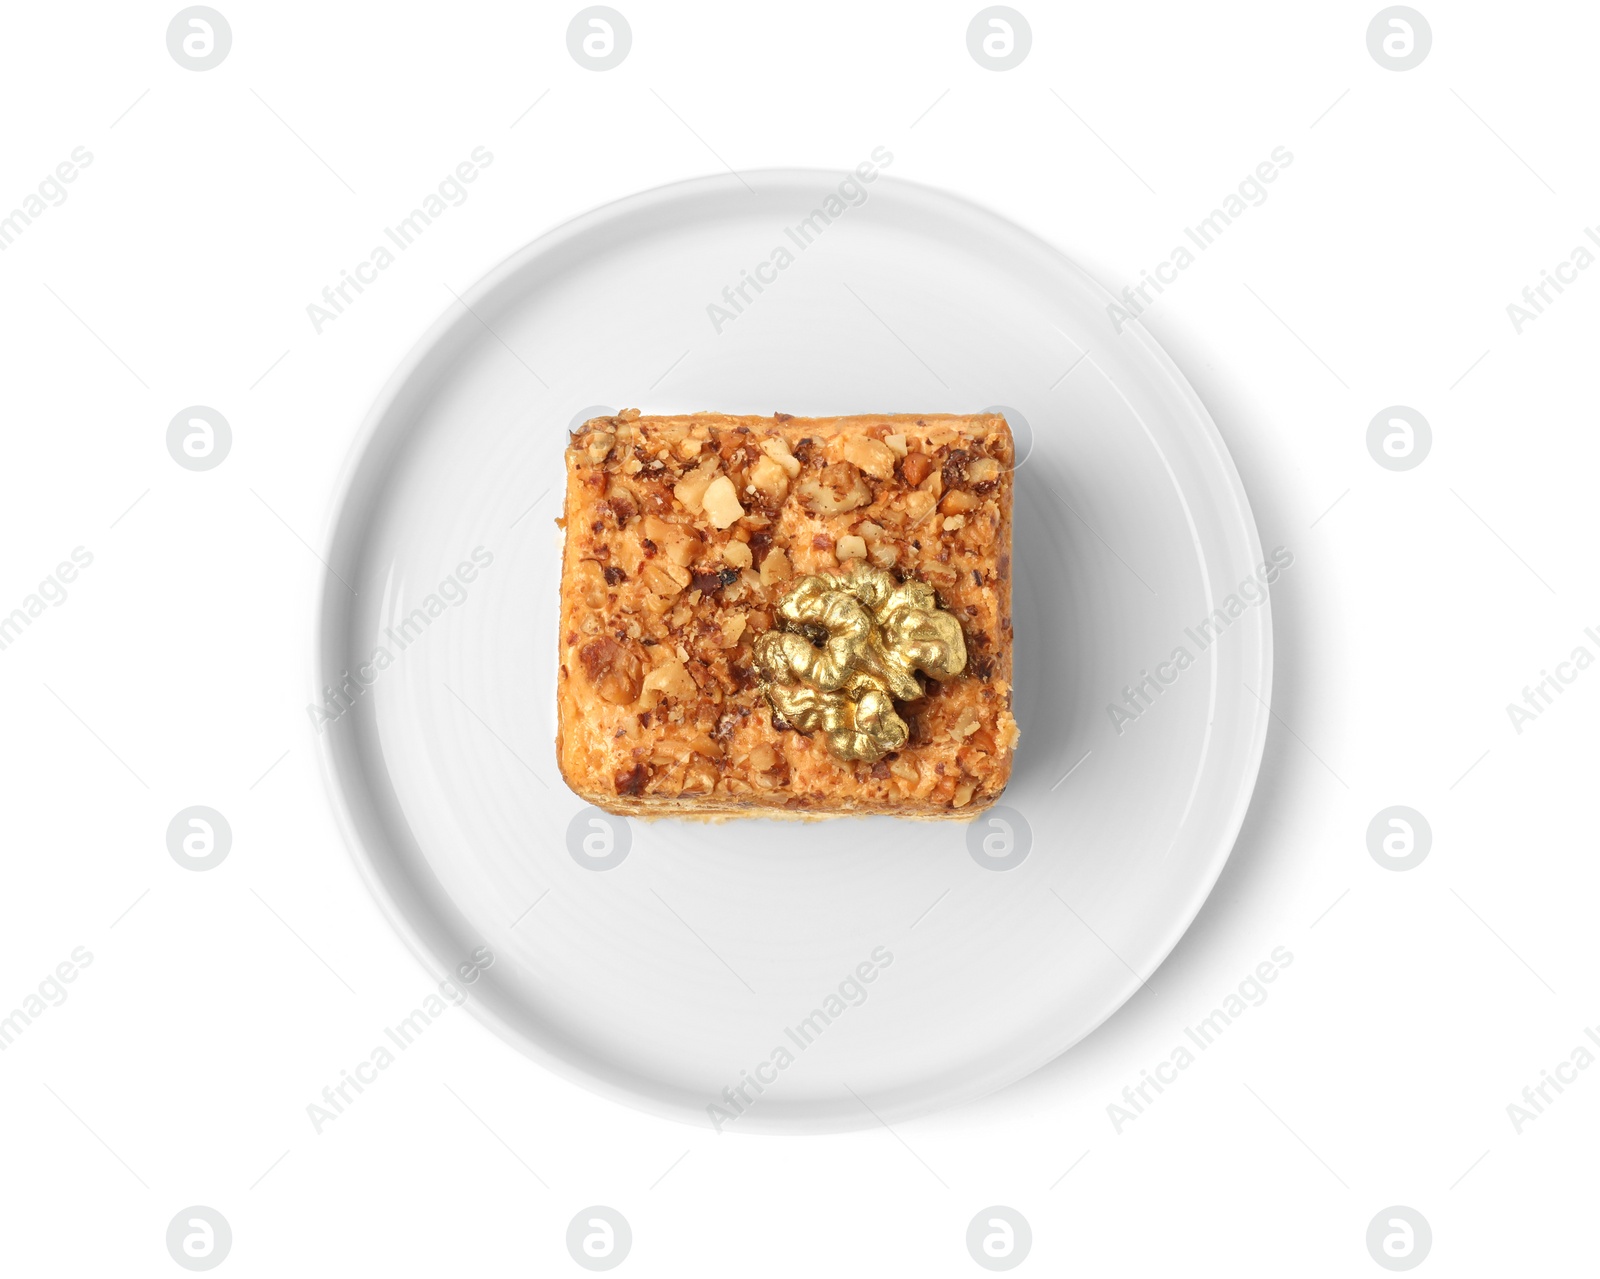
(684, 536)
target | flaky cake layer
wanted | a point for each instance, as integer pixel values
(683, 536)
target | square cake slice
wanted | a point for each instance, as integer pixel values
(787, 615)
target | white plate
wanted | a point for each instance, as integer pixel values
(683, 970)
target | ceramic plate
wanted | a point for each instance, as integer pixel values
(763, 975)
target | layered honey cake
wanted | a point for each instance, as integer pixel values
(809, 615)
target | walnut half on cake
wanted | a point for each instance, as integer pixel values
(810, 615)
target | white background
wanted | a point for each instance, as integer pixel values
(218, 1005)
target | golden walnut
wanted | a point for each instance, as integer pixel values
(845, 647)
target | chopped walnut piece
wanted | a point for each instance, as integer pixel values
(691, 489)
(777, 448)
(684, 551)
(839, 488)
(770, 479)
(671, 678)
(916, 467)
(700, 778)
(775, 567)
(873, 457)
(966, 724)
(679, 542)
(721, 503)
(903, 768)
(664, 579)
(612, 669)
(919, 505)
(762, 758)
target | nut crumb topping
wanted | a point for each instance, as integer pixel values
(698, 549)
